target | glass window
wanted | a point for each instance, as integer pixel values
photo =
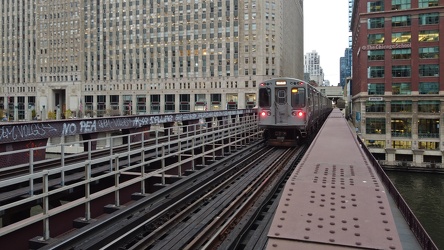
(428, 145)
(375, 88)
(428, 128)
(401, 37)
(428, 3)
(375, 125)
(375, 71)
(264, 98)
(298, 97)
(375, 38)
(428, 70)
(429, 18)
(401, 106)
(374, 23)
(428, 35)
(374, 55)
(428, 88)
(401, 4)
(401, 88)
(375, 6)
(402, 145)
(429, 52)
(401, 127)
(429, 106)
(399, 21)
(375, 106)
(401, 53)
(375, 143)
(401, 71)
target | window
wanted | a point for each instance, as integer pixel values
(401, 71)
(428, 18)
(375, 125)
(431, 106)
(402, 88)
(399, 21)
(401, 37)
(375, 71)
(375, 106)
(428, 128)
(429, 70)
(428, 52)
(401, 53)
(374, 55)
(401, 106)
(428, 35)
(298, 97)
(375, 6)
(375, 38)
(374, 23)
(375, 88)
(401, 4)
(428, 3)
(401, 127)
(428, 88)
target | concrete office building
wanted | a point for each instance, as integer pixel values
(117, 57)
(312, 66)
(398, 86)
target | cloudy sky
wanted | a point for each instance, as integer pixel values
(326, 31)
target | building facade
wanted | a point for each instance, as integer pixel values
(117, 57)
(313, 67)
(398, 86)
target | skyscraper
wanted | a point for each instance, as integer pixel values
(313, 67)
(144, 56)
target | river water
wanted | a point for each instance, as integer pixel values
(424, 193)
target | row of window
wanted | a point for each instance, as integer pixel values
(425, 145)
(430, 106)
(403, 71)
(403, 54)
(404, 37)
(377, 6)
(402, 21)
(402, 127)
(404, 88)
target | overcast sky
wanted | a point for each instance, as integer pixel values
(326, 31)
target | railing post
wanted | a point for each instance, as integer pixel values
(45, 205)
(116, 182)
(62, 164)
(87, 190)
(31, 171)
(163, 165)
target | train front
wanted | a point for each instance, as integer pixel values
(282, 112)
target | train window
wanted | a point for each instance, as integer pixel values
(298, 97)
(281, 95)
(264, 97)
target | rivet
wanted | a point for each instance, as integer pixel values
(277, 234)
(385, 221)
(306, 237)
(344, 221)
(310, 214)
(357, 234)
(282, 218)
(320, 226)
(358, 243)
(308, 221)
(332, 240)
(307, 229)
(387, 229)
(356, 226)
(275, 245)
(344, 228)
(389, 238)
(279, 226)
(392, 247)
(284, 212)
(332, 231)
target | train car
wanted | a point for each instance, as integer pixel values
(290, 111)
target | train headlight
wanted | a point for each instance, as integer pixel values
(265, 113)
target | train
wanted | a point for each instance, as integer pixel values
(290, 111)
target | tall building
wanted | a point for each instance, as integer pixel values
(398, 86)
(113, 57)
(345, 66)
(312, 66)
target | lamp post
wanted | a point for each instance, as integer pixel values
(43, 115)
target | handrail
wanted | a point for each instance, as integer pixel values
(418, 230)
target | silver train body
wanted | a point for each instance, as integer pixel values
(290, 111)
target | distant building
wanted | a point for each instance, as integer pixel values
(345, 66)
(398, 86)
(312, 66)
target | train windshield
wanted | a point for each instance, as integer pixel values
(298, 97)
(264, 98)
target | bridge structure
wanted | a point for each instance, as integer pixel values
(121, 160)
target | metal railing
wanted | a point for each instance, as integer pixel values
(236, 132)
(418, 230)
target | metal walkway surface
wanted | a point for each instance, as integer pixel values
(336, 199)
